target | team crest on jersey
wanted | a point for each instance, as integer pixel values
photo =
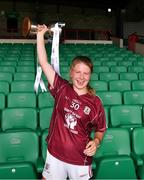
(87, 110)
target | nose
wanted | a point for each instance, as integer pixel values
(81, 76)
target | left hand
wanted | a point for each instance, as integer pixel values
(91, 148)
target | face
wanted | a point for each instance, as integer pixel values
(80, 75)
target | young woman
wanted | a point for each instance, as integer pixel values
(76, 113)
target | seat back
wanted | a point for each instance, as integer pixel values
(19, 146)
(138, 85)
(138, 141)
(2, 101)
(19, 118)
(133, 97)
(18, 171)
(126, 116)
(45, 115)
(45, 100)
(116, 142)
(21, 99)
(4, 87)
(119, 85)
(6, 76)
(22, 86)
(110, 97)
(107, 76)
(99, 85)
(128, 76)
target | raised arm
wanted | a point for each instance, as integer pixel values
(42, 55)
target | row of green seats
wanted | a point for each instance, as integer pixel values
(98, 85)
(16, 118)
(119, 156)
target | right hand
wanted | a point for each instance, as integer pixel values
(42, 29)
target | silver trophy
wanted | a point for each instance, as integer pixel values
(30, 29)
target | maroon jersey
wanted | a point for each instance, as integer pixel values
(73, 119)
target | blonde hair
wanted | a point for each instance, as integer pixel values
(87, 61)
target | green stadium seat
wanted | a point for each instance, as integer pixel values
(118, 69)
(133, 97)
(22, 86)
(45, 100)
(135, 69)
(99, 85)
(65, 75)
(125, 63)
(109, 63)
(22, 76)
(138, 85)
(19, 118)
(94, 76)
(108, 76)
(8, 69)
(110, 98)
(8, 63)
(64, 69)
(141, 76)
(21, 170)
(26, 69)
(138, 150)
(128, 76)
(4, 87)
(45, 115)
(44, 144)
(19, 154)
(98, 69)
(5, 76)
(113, 160)
(2, 101)
(119, 85)
(126, 116)
(26, 63)
(21, 100)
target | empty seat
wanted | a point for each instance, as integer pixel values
(141, 76)
(98, 69)
(45, 100)
(118, 69)
(138, 85)
(128, 116)
(4, 87)
(119, 85)
(138, 150)
(108, 76)
(21, 99)
(30, 69)
(94, 76)
(109, 63)
(22, 86)
(19, 118)
(110, 97)
(128, 76)
(2, 101)
(99, 85)
(9, 69)
(45, 115)
(113, 156)
(24, 76)
(5, 76)
(135, 69)
(125, 63)
(133, 97)
(18, 153)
